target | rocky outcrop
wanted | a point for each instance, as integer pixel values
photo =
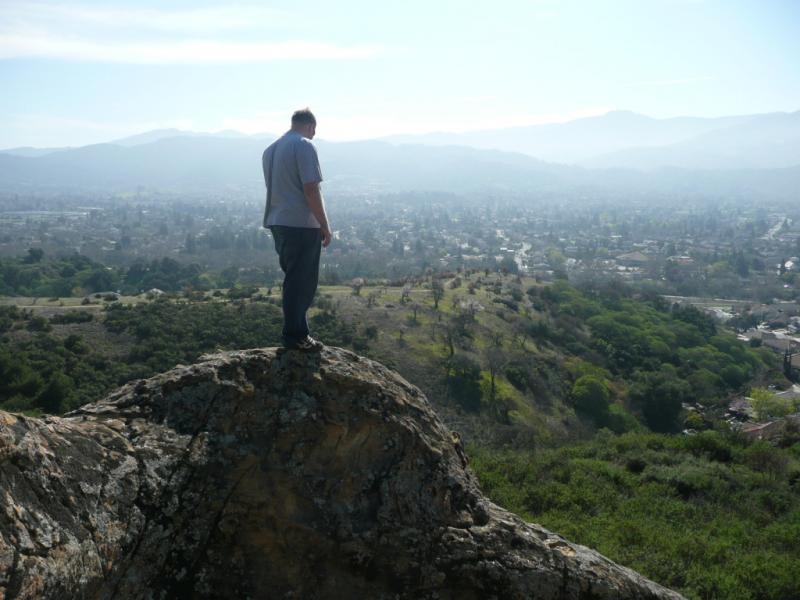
(270, 474)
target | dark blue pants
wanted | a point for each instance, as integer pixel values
(298, 253)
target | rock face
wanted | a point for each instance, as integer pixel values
(270, 474)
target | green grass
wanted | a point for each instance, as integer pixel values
(707, 515)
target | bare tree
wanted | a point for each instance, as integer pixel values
(415, 306)
(471, 307)
(452, 332)
(405, 295)
(495, 361)
(449, 340)
(520, 332)
(437, 289)
(357, 284)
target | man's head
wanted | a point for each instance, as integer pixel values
(305, 123)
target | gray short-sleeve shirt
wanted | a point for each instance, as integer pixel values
(295, 164)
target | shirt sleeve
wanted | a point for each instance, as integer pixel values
(308, 163)
(265, 165)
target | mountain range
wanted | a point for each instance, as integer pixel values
(618, 150)
(624, 139)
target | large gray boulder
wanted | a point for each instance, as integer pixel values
(270, 474)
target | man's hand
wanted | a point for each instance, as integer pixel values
(326, 236)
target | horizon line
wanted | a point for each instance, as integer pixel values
(383, 137)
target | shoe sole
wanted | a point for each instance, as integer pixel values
(314, 348)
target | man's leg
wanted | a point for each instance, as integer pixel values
(312, 244)
(299, 253)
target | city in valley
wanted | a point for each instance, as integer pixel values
(736, 261)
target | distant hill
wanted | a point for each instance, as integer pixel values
(206, 162)
(628, 140)
(762, 142)
(202, 163)
(618, 139)
(580, 139)
(142, 138)
(30, 151)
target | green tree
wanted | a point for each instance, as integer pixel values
(228, 277)
(99, 280)
(464, 381)
(590, 396)
(35, 255)
(659, 395)
(17, 377)
(55, 393)
(706, 385)
(509, 265)
(768, 405)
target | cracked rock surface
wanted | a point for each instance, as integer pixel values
(270, 474)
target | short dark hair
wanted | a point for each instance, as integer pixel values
(304, 116)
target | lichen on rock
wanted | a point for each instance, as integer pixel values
(268, 473)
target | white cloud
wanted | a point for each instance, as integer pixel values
(198, 20)
(668, 82)
(148, 36)
(173, 52)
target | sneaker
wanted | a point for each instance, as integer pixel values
(307, 344)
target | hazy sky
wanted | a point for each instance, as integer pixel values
(73, 73)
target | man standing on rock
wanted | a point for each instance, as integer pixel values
(295, 214)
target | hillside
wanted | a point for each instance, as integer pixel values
(270, 473)
(482, 346)
(710, 515)
(523, 371)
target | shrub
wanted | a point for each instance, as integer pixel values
(590, 396)
(517, 376)
(619, 420)
(709, 444)
(72, 316)
(763, 457)
(38, 323)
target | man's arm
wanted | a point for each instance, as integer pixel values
(314, 199)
